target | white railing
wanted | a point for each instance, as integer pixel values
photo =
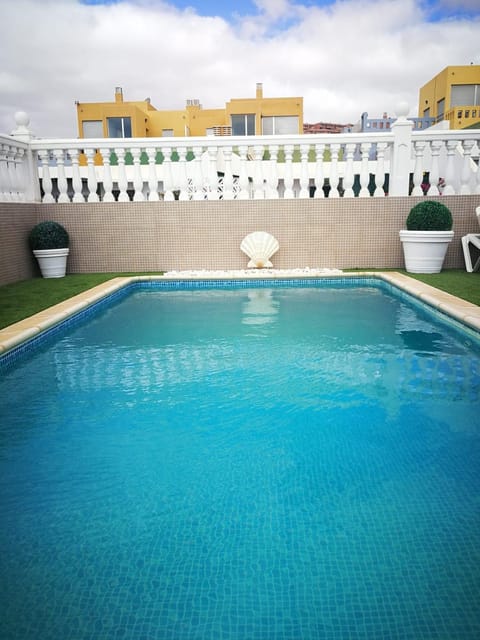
(398, 162)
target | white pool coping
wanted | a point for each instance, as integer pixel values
(16, 334)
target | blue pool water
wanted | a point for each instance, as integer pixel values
(229, 464)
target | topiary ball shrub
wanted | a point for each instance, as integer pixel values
(48, 235)
(429, 215)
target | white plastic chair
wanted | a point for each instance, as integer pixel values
(472, 240)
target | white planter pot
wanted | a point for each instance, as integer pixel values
(52, 262)
(424, 251)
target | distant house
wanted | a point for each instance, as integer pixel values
(239, 117)
(366, 124)
(325, 127)
(453, 95)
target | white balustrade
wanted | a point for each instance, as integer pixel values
(380, 170)
(76, 179)
(239, 167)
(334, 175)
(434, 178)
(107, 177)
(419, 148)
(122, 181)
(137, 176)
(91, 177)
(319, 172)
(62, 184)
(364, 170)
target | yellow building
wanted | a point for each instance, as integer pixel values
(453, 95)
(241, 116)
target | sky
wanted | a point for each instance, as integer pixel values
(344, 57)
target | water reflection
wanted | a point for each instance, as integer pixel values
(422, 341)
(260, 308)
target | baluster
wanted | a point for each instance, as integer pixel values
(228, 175)
(137, 175)
(198, 187)
(11, 174)
(122, 175)
(212, 185)
(435, 147)
(107, 177)
(419, 148)
(243, 183)
(449, 189)
(380, 171)
(182, 174)
(76, 178)
(349, 175)
(20, 176)
(91, 177)
(152, 175)
(288, 177)
(334, 149)
(4, 176)
(168, 195)
(466, 167)
(476, 176)
(44, 155)
(61, 178)
(272, 178)
(319, 174)
(364, 170)
(258, 187)
(304, 177)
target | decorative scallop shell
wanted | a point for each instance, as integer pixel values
(259, 247)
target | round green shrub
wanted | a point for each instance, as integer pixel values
(429, 215)
(48, 235)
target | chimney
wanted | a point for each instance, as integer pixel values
(118, 94)
(259, 90)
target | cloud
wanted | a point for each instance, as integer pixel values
(344, 58)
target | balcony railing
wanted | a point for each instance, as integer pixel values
(397, 162)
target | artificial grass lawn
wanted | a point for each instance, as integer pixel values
(23, 299)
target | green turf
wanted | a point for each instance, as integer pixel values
(23, 299)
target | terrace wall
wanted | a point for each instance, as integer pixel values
(160, 236)
(16, 260)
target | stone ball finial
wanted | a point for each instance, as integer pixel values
(22, 119)
(22, 132)
(402, 109)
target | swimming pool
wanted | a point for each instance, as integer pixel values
(243, 460)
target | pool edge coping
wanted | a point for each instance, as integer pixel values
(19, 332)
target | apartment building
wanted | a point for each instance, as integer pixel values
(453, 95)
(239, 117)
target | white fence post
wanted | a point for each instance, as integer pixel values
(402, 153)
(30, 173)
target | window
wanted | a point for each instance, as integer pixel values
(278, 125)
(167, 133)
(441, 109)
(243, 125)
(119, 127)
(426, 112)
(465, 95)
(467, 113)
(92, 129)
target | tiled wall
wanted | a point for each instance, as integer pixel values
(16, 260)
(342, 233)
